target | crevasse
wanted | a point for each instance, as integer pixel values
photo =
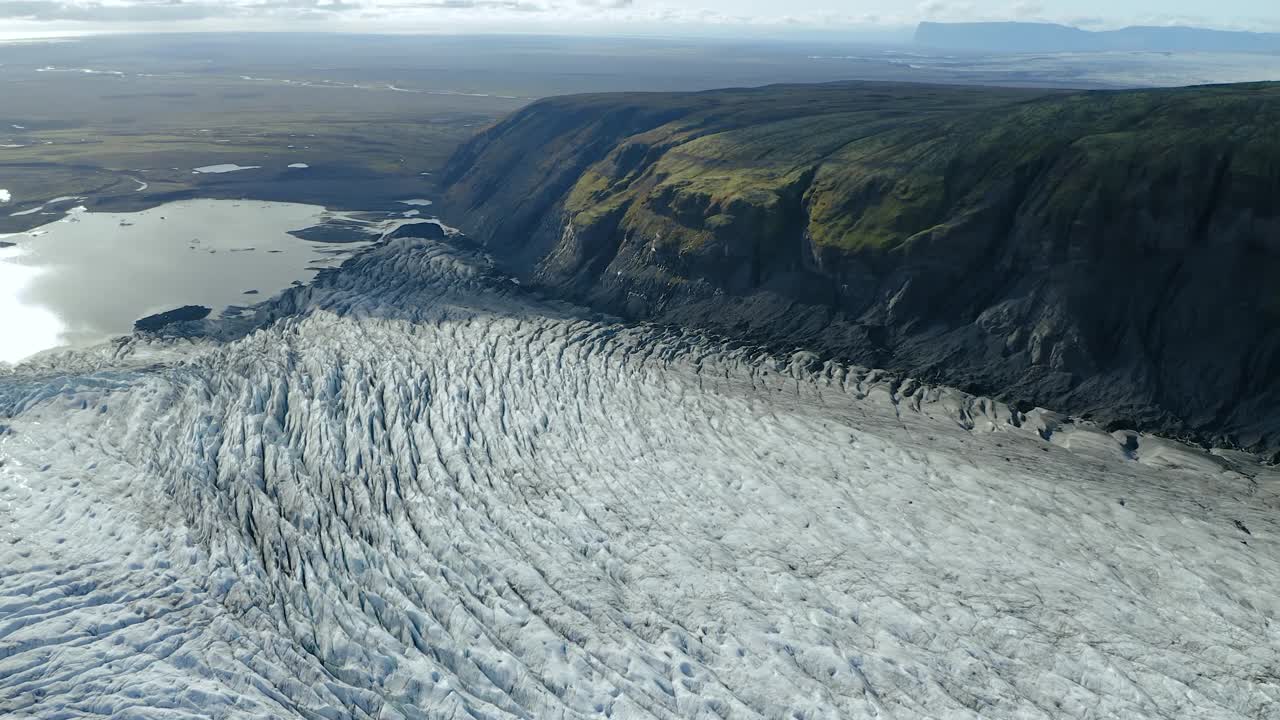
(410, 490)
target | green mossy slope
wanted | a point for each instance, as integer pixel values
(1107, 253)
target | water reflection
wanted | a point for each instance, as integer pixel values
(24, 329)
(89, 276)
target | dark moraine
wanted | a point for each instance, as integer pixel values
(424, 230)
(336, 231)
(186, 313)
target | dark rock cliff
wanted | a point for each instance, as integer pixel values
(1113, 254)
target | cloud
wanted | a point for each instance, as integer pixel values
(311, 5)
(1027, 10)
(165, 10)
(515, 5)
(160, 11)
(757, 18)
(944, 10)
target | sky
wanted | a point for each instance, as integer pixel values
(869, 18)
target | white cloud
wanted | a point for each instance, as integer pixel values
(945, 10)
(1027, 10)
(758, 17)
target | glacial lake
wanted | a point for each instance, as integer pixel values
(88, 276)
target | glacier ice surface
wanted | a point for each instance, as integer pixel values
(408, 490)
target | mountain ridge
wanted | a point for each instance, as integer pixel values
(1052, 37)
(1065, 250)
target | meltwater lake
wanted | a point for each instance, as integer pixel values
(89, 276)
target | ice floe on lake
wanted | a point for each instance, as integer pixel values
(85, 71)
(223, 168)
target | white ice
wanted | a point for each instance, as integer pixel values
(300, 166)
(224, 168)
(86, 71)
(415, 493)
(5, 196)
(419, 202)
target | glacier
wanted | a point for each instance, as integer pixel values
(414, 489)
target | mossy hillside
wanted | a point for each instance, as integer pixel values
(749, 147)
(883, 174)
(1107, 253)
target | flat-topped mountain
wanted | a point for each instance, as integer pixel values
(1110, 254)
(1049, 37)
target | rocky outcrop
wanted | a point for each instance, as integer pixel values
(424, 230)
(160, 321)
(1111, 255)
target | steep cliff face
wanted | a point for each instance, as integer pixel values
(1108, 254)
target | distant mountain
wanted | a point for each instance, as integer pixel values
(1112, 254)
(1047, 37)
